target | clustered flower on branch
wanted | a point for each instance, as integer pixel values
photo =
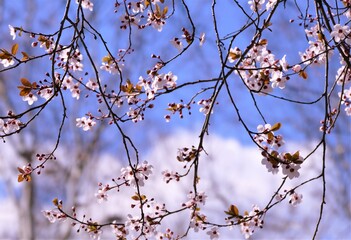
(270, 145)
(126, 100)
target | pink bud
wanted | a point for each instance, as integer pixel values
(296, 68)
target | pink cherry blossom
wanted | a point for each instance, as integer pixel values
(256, 5)
(177, 43)
(205, 106)
(291, 170)
(270, 166)
(101, 195)
(46, 93)
(86, 4)
(340, 33)
(12, 32)
(85, 123)
(11, 126)
(54, 215)
(213, 232)
(7, 62)
(30, 98)
(202, 39)
(92, 84)
(295, 199)
(270, 4)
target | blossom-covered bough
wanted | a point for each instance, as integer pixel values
(74, 69)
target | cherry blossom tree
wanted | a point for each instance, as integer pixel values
(123, 85)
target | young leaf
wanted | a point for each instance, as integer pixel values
(273, 158)
(262, 42)
(276, 126)
(267, 24)
(106, 59)
(138, 88)
(24, 91)
(20, 178)
(5, 54)
(55, 202)
(200, 218)
(136, 198)
(25, 56)
(303, 74)
(165, 10)
(270, 136)
(158, 11)
(296, 155)
(233, 211)
(147, 3)
(25, 82)
(26, 87)
(288, 157)
(41, 38)
(296, 158)
(234, 56)
(93, 226)
(28, 177)
(14, 49)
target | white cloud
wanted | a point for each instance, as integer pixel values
(231, 173)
